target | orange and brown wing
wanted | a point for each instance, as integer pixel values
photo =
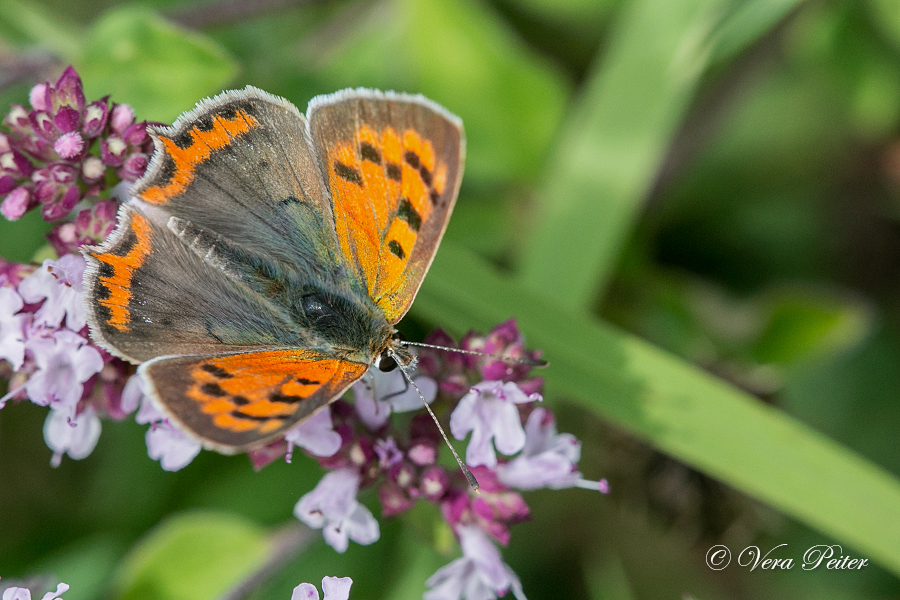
(238, 402)
(242, 166)
(393, 163)
(149, 295)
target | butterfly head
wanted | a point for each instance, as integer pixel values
(395, 354)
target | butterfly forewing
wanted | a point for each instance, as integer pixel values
(393, 163)
(241, 165)
(151, 295)
(237, 402)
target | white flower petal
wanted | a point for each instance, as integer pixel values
(73, 435)
(336, 588)
(173, 448)
(305, 591)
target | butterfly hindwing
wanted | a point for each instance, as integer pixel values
(393, 163)
(237, 402)
(150, 294)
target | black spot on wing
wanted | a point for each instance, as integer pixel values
(395, 247)
(285, 398)
(393, 171)
(213, 389)
(240, 400)
(229, 111)
(240, 415)
(305, 381)
(105, 269)
(348, 173)
(183, 139)
(369, 152)
(412, 159)
(408, 213)
(425, 174)
(289, 200)
(215, 371)
(205, 122)
(166, 169)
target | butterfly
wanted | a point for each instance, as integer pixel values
(264, 258)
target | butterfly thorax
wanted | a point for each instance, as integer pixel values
(342, 324)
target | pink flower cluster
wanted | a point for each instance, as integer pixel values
(64, 149)
(361, 446)
(61, 155)
(51, 361)
(334, 588)
(400, 457)
(21, 593)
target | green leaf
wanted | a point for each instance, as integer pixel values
(158, 68)
(459, 53)
(886, 14)
(32, 23)
(679, 408)
(85, 565)
(805, 323)
(746, 24)
(193, 556)
(615, 139)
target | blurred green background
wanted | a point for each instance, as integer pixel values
(691, 205)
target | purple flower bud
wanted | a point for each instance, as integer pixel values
(403, 475)
(64, 238)
(42, 124)
(7, 183)
(122, 118)
(68, 91)
(422, 454)
(16, 203)
(39, 96)
(67, 119)
(93, 169)
(16, 164)
(112, 150)
(61, 207)
(136, 134)
(19, 120)
(63, 173)
(69, 145)
(394, 499)
(134, 166)
(45, 191)
(266, 455)
(95, 116)
(103, 219)
(434, 483)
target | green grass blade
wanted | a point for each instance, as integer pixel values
(680, 409)
(616, 137)
(612, 144)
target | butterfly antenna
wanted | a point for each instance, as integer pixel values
(462, 466)
(531, 362)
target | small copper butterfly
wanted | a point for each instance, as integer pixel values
(266, 255)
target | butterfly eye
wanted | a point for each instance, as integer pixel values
(386, 363)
